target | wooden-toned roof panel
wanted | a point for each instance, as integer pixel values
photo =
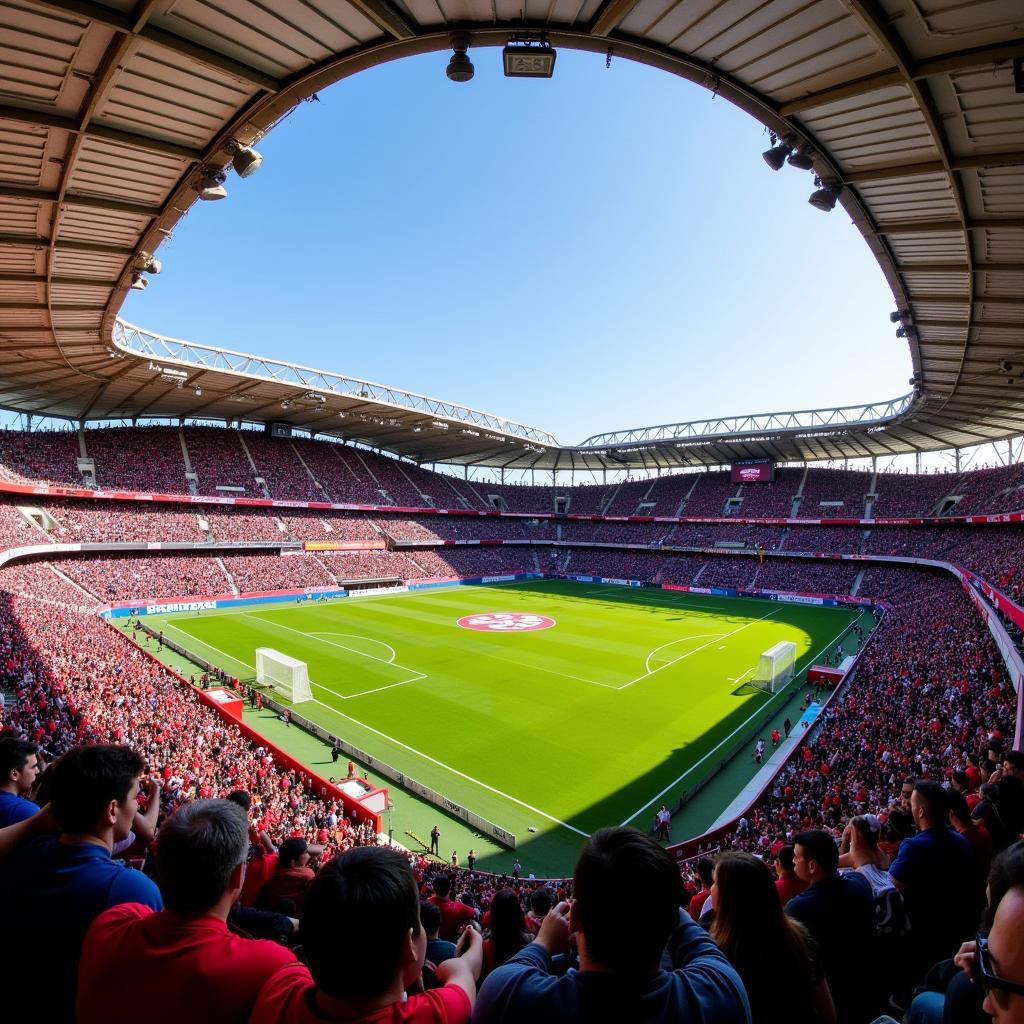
(23, 150)
(164, 94)
(37, 51)
(926, 282)
(927, 197)
(930, 24)
(109, 226)
(79, 293)
(22, 218)
(125, 172)
(989, 109)
(277, 39)
(1003, 283)
(88, 265)
(1001, 245)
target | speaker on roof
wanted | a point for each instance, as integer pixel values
(279, 429)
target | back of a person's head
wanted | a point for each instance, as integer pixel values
(706, 870)
(627, 892)
(430, 917)
(541, 901)
(358, 913)
(749, 923)
(442, 885)
(819, 846)
(1006, 872)
(786, 857)
(290, 851)
(867, 827)
(1015, 759)
(959, 809)
(932, 799)
(14, 755)
(198, 848)
(86, 780)
(506, 913)
(242, 798)
(961, 779)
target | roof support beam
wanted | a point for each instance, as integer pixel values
(74, 199)
(890, 172)
(927, 227)
(611, 16)
(23, 115)
(128, 25)
(955, 60)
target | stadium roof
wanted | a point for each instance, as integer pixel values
(111, 114)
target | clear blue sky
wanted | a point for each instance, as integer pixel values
(603, 250)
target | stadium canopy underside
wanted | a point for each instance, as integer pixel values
(110, 114)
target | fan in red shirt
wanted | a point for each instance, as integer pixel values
(160, 961)
(453, 913)
(366, 899)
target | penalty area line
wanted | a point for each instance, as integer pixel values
(759, 711)
(455, 771)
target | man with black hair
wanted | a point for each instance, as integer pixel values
(19, 766)
(936, 872)
(365, 947)
(706, 874)
(839, 912)
(642, 959)
(187, 947)
(55, 887)
(1013, 763)
(286, 889)
(454, 914)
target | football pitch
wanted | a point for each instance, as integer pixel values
(601, 702)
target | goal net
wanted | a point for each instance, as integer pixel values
(288, 677)
(775, 667)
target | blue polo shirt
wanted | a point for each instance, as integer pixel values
(14, 808)
(51, 892)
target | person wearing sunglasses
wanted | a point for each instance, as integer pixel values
(999, 963)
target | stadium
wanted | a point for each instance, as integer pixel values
(291, 651)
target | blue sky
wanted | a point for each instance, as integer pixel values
(603, 250)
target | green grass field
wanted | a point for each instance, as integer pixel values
(632, 694)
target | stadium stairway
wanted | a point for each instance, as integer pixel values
(798, 498)
(855, 589)
(190, 473)
(227, 575)
(316, 483)
(255, 471)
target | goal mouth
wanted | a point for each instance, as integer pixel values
(775, 668)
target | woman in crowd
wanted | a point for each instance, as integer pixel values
(773, 954)
(507, 932)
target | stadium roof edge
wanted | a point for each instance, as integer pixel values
(106, 144)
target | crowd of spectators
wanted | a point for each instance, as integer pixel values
(827, 539)
(707, 497)
(912, 494)
(282, 471)
(126, 578)
(844, 490)
(998, 489)
(343, 479)
(252, 573)
(218, 460)
(806, 577)
(40, 457)
(772, 499)
(114, 522)
(147, 459)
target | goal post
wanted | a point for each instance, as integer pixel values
(775, 667)
(288, 677)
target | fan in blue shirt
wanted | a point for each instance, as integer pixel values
(19, 766)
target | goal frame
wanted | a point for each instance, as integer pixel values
(775, 668)
(291, 681)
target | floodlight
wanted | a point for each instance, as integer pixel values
(901, 332)
(802, 159)
(824, 198)
(139, 283)
(896, 317)
(245, 160)
(1005, 366)
(528, 58)
(147, 264)
(286, 403)
(776, 156)
(199, 391)
(460, 67)
(211, 186)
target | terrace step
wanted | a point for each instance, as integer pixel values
(855, 589)
(227, 575)
(255, 471)
(316, 483)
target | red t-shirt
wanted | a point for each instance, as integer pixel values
(286, 999)
(697, 903)
(453, 916)
(257, 874)
(787, 888)
(161, 963)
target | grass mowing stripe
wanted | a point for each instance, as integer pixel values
(760, 711)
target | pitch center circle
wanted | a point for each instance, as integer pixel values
(506, 622)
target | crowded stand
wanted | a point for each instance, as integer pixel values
(709, 535)
(279, 466)
(1000, 488)
(740, 571)
(911, 494)
(40, 457)
(16, 529)
(123, 578)
(122, 521)
(337, 475)
(519, 497)
(254, 573)
(774, 498)
(831, 539)
(220, 463)
(834, 492)
(228, 524)
(334, 526)
(806, 577)
(628, 496)
(369, 565)
(590, 499)
(708, 494)
(147, 459)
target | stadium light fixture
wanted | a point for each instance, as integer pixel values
(286, 403)
(147, 264)
(529, 56)
(802, 159)
(211, 185)
(199, 391)
(139, 283)
(901, 332)
(824, 197)
(899, 316)
(245, 160)
(460, 67)
(776, 156)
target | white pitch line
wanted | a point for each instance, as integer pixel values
(679, 640)
(369, 639)
(722, 636)
(654, 799)
(195, 639)
(455, 771)
(351, 650)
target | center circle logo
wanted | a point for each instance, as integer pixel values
(506, 622)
